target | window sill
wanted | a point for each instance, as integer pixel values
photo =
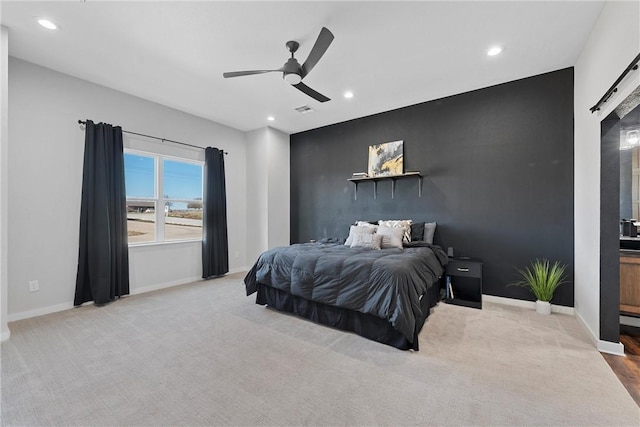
(170, 242)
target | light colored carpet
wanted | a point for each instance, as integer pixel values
(205, 354)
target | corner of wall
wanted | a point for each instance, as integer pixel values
(256, 194)
(616, 349)
(268, 190)
(279, 189)
(4, 174)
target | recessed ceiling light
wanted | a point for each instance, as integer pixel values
(47, 24)
(494, 51)
(271, 118)
(348, 94)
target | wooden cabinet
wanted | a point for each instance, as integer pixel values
(630, 284)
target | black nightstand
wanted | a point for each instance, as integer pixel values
(464, 282)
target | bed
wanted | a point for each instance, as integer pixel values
(384, 295)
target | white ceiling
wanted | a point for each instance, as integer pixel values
(390, 54)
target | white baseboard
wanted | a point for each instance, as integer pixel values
(5, 336)
(526, 304)
(602, 346)
(591, 334)
(39, 311)
(630, 321)
(137, 291)
(615, 348)
(180, 282)
(151, 288)
(239, 270)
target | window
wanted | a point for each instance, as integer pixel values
(177, 214)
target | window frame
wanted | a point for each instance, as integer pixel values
(158, 199)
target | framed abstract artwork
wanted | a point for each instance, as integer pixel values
(386, 159)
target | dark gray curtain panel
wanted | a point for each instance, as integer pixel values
(215, 245)
(103, 259)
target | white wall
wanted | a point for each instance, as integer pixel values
(612, 45)
(4, 175)
(268, 191)
(257, 194)
(279, 185)
(46, 147)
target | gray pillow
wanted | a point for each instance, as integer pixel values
(417, 231)
(429, 231)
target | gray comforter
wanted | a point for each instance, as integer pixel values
(385, 283)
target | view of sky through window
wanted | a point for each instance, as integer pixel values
(181, 180)
(139, 176)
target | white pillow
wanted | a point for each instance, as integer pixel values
(372, 241)
(355, 230)
(391, 236)
(429, 231)
(405, 224)
(366, 224)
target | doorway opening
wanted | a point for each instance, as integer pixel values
(614, 205)
(619, 248)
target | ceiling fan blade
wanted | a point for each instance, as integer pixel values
(322, 44)
(312, 93)
(246, 73)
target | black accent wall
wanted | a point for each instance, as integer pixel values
(610, 229)
(498, 176)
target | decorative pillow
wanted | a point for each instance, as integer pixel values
(355, 230)
(429, 231)
(417, 231)
(405, 224)
(367, 224)
(391, 236)
(372, 241)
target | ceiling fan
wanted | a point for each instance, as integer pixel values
(292, 71)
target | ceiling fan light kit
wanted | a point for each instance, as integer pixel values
(292, 72)
(292, 78)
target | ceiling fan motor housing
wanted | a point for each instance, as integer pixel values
(292, 72)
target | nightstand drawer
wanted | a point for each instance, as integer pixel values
(464, 268)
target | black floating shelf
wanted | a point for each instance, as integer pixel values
(393, 179)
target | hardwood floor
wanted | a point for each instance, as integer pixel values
(627, 368)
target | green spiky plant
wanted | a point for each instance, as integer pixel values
(542, 278)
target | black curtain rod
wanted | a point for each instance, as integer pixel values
(613, 89)
(82, 122)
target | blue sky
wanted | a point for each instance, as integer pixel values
(181, 180)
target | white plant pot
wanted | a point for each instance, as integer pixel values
(543, 307)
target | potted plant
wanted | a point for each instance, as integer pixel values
(542, 279)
